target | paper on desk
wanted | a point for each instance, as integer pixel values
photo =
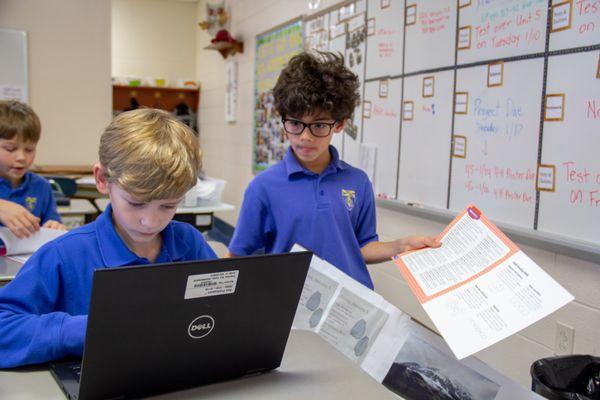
(29, 245)
(478, 287)
(355, 320)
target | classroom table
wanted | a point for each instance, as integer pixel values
(311, 369)
(8, 270)
(201, 217)
(79, 212)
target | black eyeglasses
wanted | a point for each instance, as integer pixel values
(318, 129)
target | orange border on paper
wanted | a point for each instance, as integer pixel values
(466, 103)
(562, 111)
(369, 26)
(432, 78)
(453, 147)
(412, 112)
(387, 91)
(414, 286)
(501, 63)
(365, 109)
(470, 31)
(537, 180)
(406, 15)
(552, 30)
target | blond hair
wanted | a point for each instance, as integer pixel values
(18, 119)
(150, 154)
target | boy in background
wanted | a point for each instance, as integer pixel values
(148, 161)
(312, 197)
(26, 199)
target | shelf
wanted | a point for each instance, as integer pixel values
(166, 98)
(227, 48)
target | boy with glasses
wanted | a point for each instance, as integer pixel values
(311, 197)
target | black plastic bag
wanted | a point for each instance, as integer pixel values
(575, 377)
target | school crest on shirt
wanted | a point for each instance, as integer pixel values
(30, 202)
(349, 197)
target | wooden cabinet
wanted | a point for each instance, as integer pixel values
(125, 97)
(181, 102)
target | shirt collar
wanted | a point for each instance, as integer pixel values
(23, 185)
(115, 252)
(293, 166)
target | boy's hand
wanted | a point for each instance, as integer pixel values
(419, 242)
(18, 219)
(51, 224)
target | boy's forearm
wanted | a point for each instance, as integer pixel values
(33, 339)
(376, 252)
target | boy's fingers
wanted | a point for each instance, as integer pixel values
(433, 242)
(30, 224)
(18, 230)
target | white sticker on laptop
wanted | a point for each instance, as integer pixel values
(214, 284)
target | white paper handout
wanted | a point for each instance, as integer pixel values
(405, 357)
(20, 249)
(478, 287)
(355, 320)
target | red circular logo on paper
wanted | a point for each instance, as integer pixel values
(474, 212)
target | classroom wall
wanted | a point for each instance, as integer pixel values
(154, 38)
(228, 154)
(69, 73)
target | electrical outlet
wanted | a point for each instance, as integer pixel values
(565, 336)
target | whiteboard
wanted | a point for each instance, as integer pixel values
(512, 121)
(426, 139)
(430, 34)
(381, 127)
(570, 150)
(14, 81)
(574, 24)
(491, 30)
(384, 38)
(501, 125)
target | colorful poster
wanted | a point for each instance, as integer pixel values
(273, 51)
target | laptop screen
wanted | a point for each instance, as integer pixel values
(165, 327)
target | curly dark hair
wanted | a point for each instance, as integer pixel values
(316, 82)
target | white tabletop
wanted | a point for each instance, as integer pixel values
(78, 206)
(311, 369)
(102, 203)
(8, 270)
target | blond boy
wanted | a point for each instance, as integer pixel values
(148, 160)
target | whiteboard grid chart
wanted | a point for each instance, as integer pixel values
(495, 103)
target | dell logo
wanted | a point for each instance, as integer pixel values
(201, 326)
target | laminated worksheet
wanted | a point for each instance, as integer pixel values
(479, 287)
(355, 320)
(402, 355)
(21, 249)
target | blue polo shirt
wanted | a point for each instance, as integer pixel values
(34, 193)
(332, 214)
(43, 311)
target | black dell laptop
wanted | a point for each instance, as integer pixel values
(164, 327)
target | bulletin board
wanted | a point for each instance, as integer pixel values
(273, 50)
(14, 77)
(464, 101)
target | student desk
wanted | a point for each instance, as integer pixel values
(8, 269)
(201, 217)
(79, 212)
(311, 369)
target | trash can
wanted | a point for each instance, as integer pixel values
(574, 377)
